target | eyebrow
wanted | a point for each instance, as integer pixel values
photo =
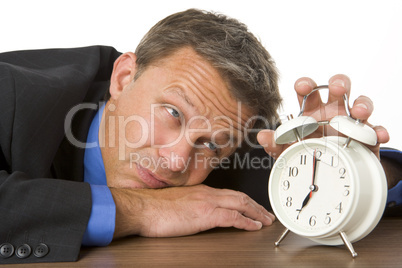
(226, 137)
(183, 95)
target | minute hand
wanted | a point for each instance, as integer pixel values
(313, 187)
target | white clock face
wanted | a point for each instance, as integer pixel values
(312, 188)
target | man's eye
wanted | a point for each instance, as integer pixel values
(173, 112)
(211, 146)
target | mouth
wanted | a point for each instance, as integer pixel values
(150, 179)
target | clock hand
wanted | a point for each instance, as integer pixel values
(312, 187)
(305, 201)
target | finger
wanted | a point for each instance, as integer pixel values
(362, 108)
(245, 205)
(235, 200)
(338, 85)
(303, 87)
(266, 138)
(382, 134)
(382, 137)
(232, 218)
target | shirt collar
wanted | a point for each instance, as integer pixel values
(94, 169)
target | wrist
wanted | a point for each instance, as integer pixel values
(129, 206)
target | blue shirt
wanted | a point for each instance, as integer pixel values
(100, 228)
(395, 193)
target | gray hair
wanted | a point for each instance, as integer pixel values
(227, 44)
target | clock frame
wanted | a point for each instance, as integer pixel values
(364, 178)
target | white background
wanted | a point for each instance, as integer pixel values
(362, 39)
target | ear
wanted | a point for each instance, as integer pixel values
(124, 69)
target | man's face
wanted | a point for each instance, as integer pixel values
(171, 126)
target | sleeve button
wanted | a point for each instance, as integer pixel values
(23, 251)
(41, 250)
(6, 250)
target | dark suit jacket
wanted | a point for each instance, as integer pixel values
(43, 202)
(42, 199)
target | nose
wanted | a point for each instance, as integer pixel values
(177, 155)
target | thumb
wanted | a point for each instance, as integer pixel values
(266, 139)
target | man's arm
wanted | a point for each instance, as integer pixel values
(38, 212)
(391, 160)
(38, 89)
(101, 223)
(393, 170)
(181, 211)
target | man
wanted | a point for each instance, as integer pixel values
(179, 106)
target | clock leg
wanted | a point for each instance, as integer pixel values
(281, 237)
(348, 244)
(347, 142)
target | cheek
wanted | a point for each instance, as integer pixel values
(131, 122)
(163, 135)
(198, 170)
(164, 129)
(134, 131)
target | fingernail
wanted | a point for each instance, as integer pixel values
(302, 83)
(259, 224)
(270, 217)
(338, 82)
(263, 138)
(362, 105)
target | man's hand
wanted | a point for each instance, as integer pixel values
(338, 86)
(179, 211)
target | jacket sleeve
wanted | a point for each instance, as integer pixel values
(44, 205)
(394, 199)
(42, 220)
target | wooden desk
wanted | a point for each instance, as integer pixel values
(231, 247)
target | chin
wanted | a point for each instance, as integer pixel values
(126, 183)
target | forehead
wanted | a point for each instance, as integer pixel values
(194, 80)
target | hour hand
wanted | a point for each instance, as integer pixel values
(305, 201)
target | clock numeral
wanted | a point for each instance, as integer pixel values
(318, 154)
(286, 185)
(346, 192)
(293, 171)
(289, 201)
(298, 214)
(312, 221)
(327, 219)
(332, 161)
(339, 207)
(342, 173)
(303, 159)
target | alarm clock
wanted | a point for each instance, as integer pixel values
(332, 189)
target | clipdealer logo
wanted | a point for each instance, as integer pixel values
(127, 150)
(237, 161)
(148, 132)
